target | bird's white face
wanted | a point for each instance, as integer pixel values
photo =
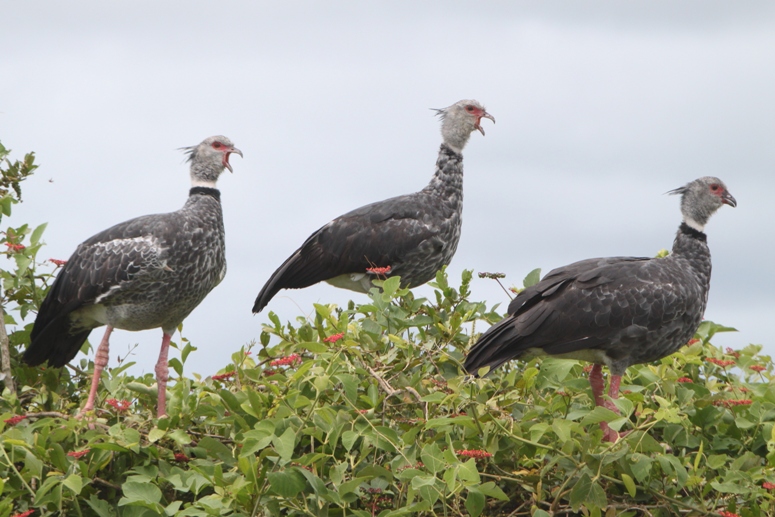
(701, 198)
(209, 159)
(477, 111)
(459, 120)
(719, 190)
(224, 149)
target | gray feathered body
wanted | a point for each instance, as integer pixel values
(614, 311)
(414, 234)
(148, 272)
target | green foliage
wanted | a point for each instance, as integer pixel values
(23, 286)
(364, 411)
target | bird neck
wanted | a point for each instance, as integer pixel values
(205, 174)
(205, 191)
(448, 178)
(692, 245)
(686, 231)
(454, 134)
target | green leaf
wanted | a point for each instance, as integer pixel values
(641, 466)
(287, 483)
(468, 473)
(257, 439)
(387, 439)
(100, 507)
(216, 449)
(432, 458)
(350, 384)
(554, 372)
(314, 347)
(180, 437)
(730, 488)
(435, 398)
(141, 388)
(475, 502)
(37, 233)
(107, 446)
(285, 443)
(588, 493)
(352, 485)
(563, 429)
(349, 438)
(176, 365)
(490, 489)
(74, 482)
(629, 484)
(427, 487)
(135, 492)
(156, 434)
(716, 461)
(532, 278)
(173, 508)
(391, 285)
(599, 414)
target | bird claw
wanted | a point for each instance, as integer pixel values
(611, 436)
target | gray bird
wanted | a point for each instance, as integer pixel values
(615, 311)
(411, 236)
(144, 273)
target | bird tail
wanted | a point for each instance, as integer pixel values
(55, 343)
(496, 346)
(270, 289)
(273, 285)
(302, 269)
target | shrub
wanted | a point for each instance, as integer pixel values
(363, 411)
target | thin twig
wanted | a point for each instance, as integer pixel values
(221, 439)
(21, 478)
(391, 391)
(44, 414)
(5, 354)
(108, 484)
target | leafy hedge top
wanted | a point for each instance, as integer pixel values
(364, 411)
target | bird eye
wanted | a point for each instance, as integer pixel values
(217, 145)
(714, 187)
(469, 108)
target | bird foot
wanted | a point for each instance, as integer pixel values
(88, 416)
(611, 436)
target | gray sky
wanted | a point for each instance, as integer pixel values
(601, 108)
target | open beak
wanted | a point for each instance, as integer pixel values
(728, 199)
(226, 158)
(485, 115)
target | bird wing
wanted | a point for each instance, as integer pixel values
(606, 305)
(100, 269)
(379, 234)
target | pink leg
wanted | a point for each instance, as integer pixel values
(596, 381)
(613, 390)
(163, 375)
(100, 361)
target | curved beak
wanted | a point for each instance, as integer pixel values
(226, 158)
(728, 199)
(484, 115)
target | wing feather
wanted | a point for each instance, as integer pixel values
(598, 304)
(99, 268)
(379, 234)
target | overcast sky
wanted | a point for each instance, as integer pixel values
(601, 108)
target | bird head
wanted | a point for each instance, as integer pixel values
(701, 198)
(209, 159)
(460, 120)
